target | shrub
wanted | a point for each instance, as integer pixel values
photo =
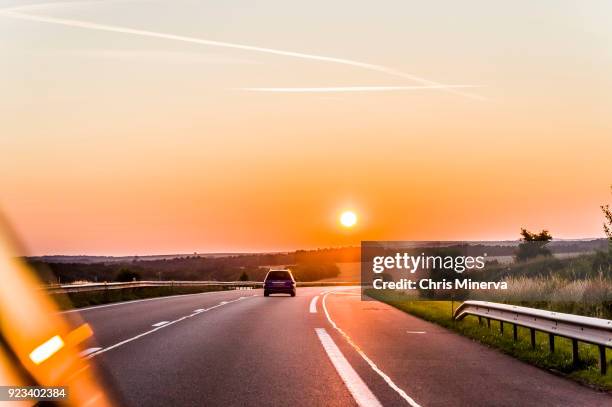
(125, 274)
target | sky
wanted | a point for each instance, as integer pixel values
(141, 127)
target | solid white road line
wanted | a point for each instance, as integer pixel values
(89, 351)
(416, 332)
(356, 386)
(313, 304)
(160, 323)
(160, 327)
(365, 357)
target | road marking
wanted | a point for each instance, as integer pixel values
(114, 304)
(200, 309)
(160, 323)
(116, 345)
(416, 332)
(356, 386)
(89, 351)
(365, 357)
(338, 290)
(224, 302)
(313, 304)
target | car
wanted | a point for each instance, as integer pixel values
(279, 282)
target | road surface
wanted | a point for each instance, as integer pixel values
(324, 347)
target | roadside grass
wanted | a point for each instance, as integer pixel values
(89, 298)
(559, 362)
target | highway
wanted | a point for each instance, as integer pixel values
(324, 347)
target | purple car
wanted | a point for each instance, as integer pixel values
(279, 282)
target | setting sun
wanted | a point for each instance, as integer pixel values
(348, 219)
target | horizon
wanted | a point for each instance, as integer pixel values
(232, 253)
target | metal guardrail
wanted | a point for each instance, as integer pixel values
(73, 288)
(590, 330)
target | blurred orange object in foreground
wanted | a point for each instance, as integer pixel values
(38, 346)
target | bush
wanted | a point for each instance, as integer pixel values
(314, 272)
(125, 275)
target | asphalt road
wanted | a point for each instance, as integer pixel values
(324, 347)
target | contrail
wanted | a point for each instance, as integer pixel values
(144, 33)
(354, 88)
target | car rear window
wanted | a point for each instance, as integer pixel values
(278, 275)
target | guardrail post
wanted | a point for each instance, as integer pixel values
(603, 362)
(575, 356)
(590, 330)
(551, 343)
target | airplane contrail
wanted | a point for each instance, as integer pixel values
(335, 89)
(53, 4)
(145, 33)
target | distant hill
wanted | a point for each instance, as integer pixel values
(499, 248)
(85, 259)
(503, 246)
(312, 264)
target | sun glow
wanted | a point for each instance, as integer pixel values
(348, 219)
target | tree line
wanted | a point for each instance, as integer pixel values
(307, 265)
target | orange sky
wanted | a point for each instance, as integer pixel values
(123, 143)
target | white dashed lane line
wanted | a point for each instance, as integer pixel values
(313, 304)
(157, 328)
(89, 351)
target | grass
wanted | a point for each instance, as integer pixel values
(589, 296)
(89, 298)
(559, 362)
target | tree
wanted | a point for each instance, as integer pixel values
(533, 245)
(244, 276)
(543, 236)
(125, 274)
(608, 223)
